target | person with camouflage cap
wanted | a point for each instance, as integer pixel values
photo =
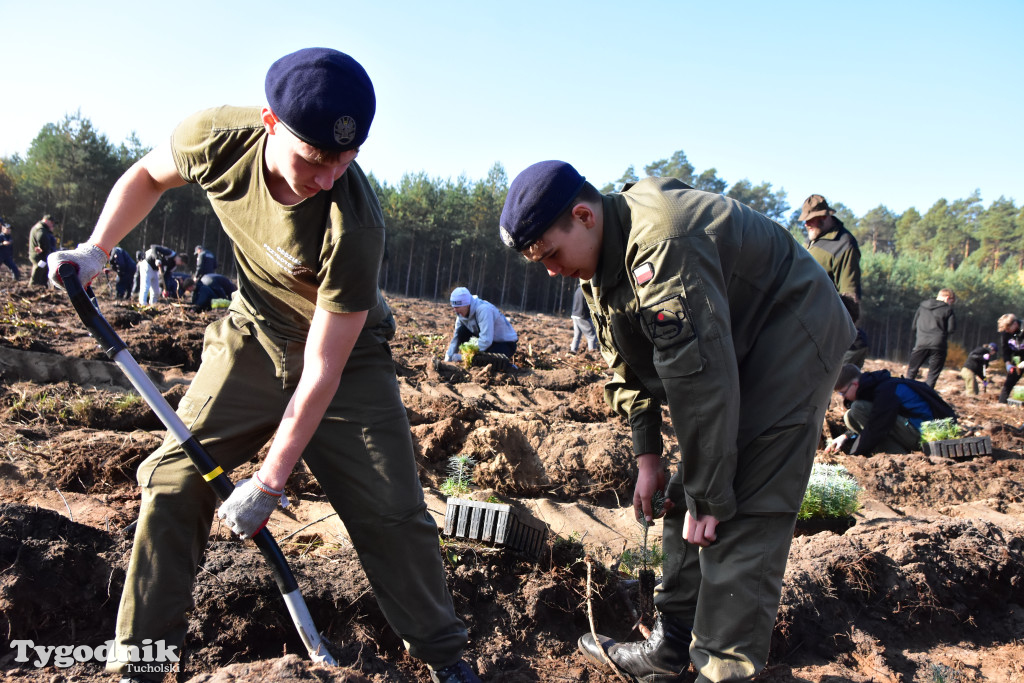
(836, 249)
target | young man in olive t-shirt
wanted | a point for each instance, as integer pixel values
(307, 235)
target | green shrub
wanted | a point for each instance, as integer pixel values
(831, 492)
(1017, 393)
(941, 430)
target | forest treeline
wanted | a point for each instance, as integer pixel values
(443, 233)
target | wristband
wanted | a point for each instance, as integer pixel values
(258, 483)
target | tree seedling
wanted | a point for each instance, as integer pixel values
(469, 350)
(460, 475)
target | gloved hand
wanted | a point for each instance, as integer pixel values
(87, 258)
(453, 357)
(248, 507)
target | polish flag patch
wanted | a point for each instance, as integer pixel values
(643, 274)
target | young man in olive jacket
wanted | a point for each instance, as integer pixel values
(703, 304)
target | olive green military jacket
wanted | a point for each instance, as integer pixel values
(40, 236)
(838, 253)
(704, 304)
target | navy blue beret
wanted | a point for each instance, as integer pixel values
(322, 96)
(535, 199)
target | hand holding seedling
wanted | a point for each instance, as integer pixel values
(650, 479)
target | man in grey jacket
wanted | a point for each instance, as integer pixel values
(481, 319)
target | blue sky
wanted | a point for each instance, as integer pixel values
(869, 103)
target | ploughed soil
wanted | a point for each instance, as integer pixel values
(928, 585)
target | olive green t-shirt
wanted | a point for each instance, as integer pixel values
(324, 251)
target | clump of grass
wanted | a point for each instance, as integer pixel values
(427, 340)
(1017, 393)
(127, 401)
(460, 475)
(941, 430)
(468, 350)
(831, 492)
(11, 315)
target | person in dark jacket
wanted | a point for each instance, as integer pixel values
(41, 243)
(209, 287)
(7, 249)
(976, 367)
(836, 250)
(582, 325)
(933, 323)
(122, 263)
(1011, 343)
(140, 256)
(206, 263)
(885, 412)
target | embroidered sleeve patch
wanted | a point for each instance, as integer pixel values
(668, 323)
(643, 274)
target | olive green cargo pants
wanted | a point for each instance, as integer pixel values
(362, 455)
(730, 590)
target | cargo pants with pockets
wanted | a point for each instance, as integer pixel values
(730, 590)
(362, 455)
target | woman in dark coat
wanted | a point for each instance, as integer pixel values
(1010, 342)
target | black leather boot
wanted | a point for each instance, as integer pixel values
(459, 672)
(662, 658)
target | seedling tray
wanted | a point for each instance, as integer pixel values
(960, 448)
(494, 523)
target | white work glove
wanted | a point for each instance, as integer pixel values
(836, 444)
(87, 258)
(248, 507)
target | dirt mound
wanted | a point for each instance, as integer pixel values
(63, 581)
(912, 482)
(60, 580)
(906, 585)
(517, 611)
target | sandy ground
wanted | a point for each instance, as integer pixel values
(927, 585)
